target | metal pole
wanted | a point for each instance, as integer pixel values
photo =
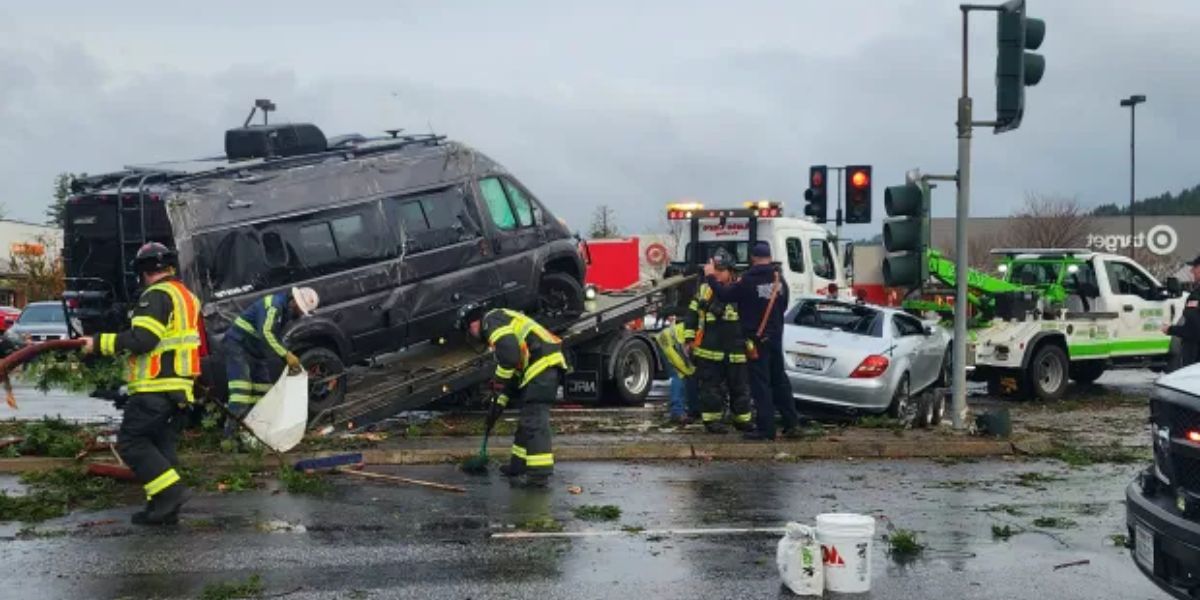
(962, 209)
(838, 215)
(1132, 173)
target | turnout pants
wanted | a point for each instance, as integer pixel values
(531, 451)
(720, 382)
(249, 375)
(771, 390)
(146, 440)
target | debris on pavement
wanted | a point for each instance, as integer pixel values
(1078, 563)
(574, 490)
(593, 512)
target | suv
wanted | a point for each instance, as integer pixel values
(1163, 504)
(40, 322)
(395, 234)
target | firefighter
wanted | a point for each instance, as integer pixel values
(1188, 327)
(529, 368)
(164, 343)
(719, 350)
(253, 338)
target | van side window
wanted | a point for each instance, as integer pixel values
(316, 245)
(795, 255)
(822, 258)
(497, 203)
(430, 220)
(274, 251)
(520, 203)
(351, 237)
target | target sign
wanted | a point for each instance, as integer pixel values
(656, 254)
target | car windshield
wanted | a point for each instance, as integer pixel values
(819, 314)
(739, 250)
(42, 313)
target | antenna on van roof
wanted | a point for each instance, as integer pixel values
(265, 105)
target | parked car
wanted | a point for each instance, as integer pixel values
(395, 233)
(1162, 505)
(860, 358)
(41, 321)
(8, 316)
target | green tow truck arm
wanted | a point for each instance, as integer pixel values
(980, 287)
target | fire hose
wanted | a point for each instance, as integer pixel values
(27, 354)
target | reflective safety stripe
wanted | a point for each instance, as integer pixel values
(499, 333)
(240, 385)
(518, 451)
(243, 399)
(268, 331)
(502, 400)
(707, 354)
(502, 373)
(150, 324)
(742, 418)
(263, 387)
(245, 325)
(108, 344)
(172, 384)
(158, 484)
(737, 358)
(539, 460)
(710, 417)
(551, 360)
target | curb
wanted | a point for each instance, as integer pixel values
(829, 448)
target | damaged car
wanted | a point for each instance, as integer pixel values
(395, 233)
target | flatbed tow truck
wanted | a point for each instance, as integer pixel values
(607, 347)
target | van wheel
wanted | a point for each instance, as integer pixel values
(1086, 371)
(560, 296)
(633, 372)
(326, 379)
(1048, 372)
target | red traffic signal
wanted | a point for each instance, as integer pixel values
(858, 194)
(816, 200)
(860, 178)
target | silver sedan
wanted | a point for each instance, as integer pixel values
(862, 358)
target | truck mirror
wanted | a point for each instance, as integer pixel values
(1173, 288)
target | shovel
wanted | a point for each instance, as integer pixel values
(478, 464)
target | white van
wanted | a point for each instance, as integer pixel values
(808, 253)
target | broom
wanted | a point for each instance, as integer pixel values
(478, 464)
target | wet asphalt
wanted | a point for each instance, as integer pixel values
(370, 540)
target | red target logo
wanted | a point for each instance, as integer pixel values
(656, 254)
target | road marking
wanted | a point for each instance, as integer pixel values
(527, 535)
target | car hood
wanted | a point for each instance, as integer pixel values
(40, 328)
(1186, 380)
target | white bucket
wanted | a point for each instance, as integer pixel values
(846, 542)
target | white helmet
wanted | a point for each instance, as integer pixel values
(306, 299)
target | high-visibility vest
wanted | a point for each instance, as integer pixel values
(178, 346)
(549, 351)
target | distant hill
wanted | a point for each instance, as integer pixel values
(1186, 202)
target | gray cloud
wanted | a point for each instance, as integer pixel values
(628, 104)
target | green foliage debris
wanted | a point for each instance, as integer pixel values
(299, 482)
(1119, 540)
(52, 494)
(544, 524)
(879, 422)
(903, 544)
(1053, 522)
(1002, 532)
(52, 437)
(593, 512)
(251, 587)
(73, 372)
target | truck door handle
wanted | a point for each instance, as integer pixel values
(1127, 308)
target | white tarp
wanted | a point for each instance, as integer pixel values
(281, 416)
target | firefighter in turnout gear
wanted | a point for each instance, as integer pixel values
(163, 343)
(253, 338)
(719, 350)
(529, 369)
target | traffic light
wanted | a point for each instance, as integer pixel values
(1016, 68)
(858, 194)
(906, 234)
(816, 200)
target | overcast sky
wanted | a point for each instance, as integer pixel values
(626, 103)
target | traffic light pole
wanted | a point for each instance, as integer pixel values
(837, 229)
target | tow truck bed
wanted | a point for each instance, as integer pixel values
(427, 372)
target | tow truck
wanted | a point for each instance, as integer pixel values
(1056, 314)
(809, 257)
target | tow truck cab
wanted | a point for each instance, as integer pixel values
(1163, 503)
(807, 253)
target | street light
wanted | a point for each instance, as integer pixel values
(1132, 102)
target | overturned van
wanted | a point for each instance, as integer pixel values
(395, 234)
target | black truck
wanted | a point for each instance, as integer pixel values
(394, 232)
(1163, 502)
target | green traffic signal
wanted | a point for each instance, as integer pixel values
(1016, 68)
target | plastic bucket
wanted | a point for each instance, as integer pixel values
(846, 542)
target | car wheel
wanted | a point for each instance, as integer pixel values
(326, 379)
(560, 296)
(904, 406)
(946, 377)
(1047, 374)
(937, 412)
(1086, 371)
(633, 372)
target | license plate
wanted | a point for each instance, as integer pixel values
(808, 361)
(1143, 546)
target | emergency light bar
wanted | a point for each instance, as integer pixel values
(762, 209)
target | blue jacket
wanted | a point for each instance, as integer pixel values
(261, 324)
(752, 293)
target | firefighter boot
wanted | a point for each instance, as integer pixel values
(511, 470)
(163, 509)
(534, 480)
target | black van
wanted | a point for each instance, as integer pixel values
(395, 234)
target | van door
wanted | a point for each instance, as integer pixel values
(515, 236)
(444, 262)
